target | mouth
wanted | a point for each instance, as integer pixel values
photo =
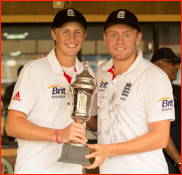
(120, 48)
(71, 45)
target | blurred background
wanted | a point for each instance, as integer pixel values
(25, 35)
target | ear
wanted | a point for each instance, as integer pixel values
(53, 35)
(139, 38)
(157, 63)
(105, 38)
(85, 35)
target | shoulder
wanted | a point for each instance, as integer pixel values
(38, 66)
(151, 70)
(100, 68)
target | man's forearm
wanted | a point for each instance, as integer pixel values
(18, 126)
(155, 139)
(24, 129)
(172, 151)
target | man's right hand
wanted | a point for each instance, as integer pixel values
(73, 132)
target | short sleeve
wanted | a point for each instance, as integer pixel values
(159, 99)
(27, 90)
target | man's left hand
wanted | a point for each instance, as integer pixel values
(100, 154)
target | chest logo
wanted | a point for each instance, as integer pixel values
(126, 91)
(103, 83)
(57, 91)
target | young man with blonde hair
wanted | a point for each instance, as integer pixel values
(38, 113)
(136, 104)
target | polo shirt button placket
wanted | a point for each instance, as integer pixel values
(111, 87)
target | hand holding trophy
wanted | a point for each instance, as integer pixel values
(82, 91)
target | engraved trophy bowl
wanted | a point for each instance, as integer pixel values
(81, 91)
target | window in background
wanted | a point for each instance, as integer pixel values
(21, 43)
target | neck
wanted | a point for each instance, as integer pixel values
(121, 66)
(65, 60)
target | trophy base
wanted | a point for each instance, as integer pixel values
(74, 154)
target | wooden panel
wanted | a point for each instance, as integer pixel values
(45, 46)
(3, 75)
(24, 46)
(88, 48)
(91, 7)
(101, 48)
(9, 152)
(89, 18)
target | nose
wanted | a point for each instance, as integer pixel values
(177, 66)
(120, 39)
(72, 37)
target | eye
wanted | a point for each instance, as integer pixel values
(113, 35)
(127, 35)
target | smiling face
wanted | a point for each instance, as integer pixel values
(121, 41)
(69, 38)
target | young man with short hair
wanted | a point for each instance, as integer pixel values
(136, 104)
(38, 113)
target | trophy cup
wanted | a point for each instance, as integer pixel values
(82, 91)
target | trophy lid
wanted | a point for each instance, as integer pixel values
(84, 79)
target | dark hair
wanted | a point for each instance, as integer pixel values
(19, 69)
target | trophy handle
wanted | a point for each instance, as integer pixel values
(98, 102)
(68, 97)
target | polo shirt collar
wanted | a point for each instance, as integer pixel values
(132, 68)
(55, 65)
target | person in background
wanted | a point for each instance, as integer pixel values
(166, 59)
(6, 101)
(9, 91)
(133, 119)
(38, 113)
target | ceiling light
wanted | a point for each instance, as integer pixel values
(150, 45)
(26, 33)
(11, 63)
(5, 34)
(16, 36)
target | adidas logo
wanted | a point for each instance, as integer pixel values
(17, 96)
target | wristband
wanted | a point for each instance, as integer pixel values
(178, 164)
(57, 136)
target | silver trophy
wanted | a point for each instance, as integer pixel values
(82, 91)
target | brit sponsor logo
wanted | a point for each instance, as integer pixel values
(167, 103)
(57, 91)
(103, 85)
